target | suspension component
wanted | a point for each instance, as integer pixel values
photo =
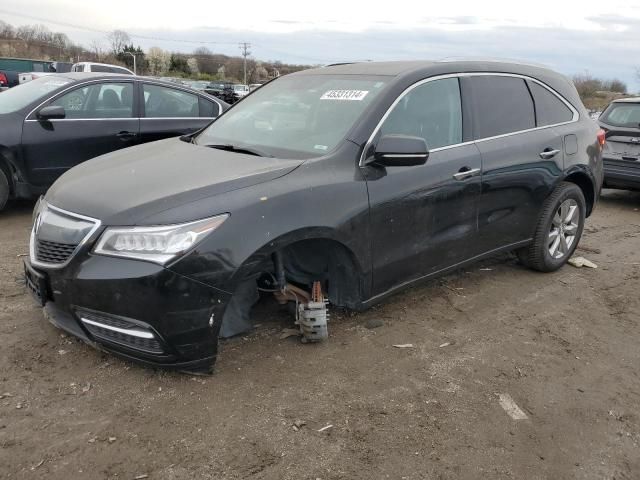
(312, 316)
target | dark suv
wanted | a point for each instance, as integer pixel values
(359, 180)
(621, 155)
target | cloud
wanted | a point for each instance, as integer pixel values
(604, 44)
(609, 53)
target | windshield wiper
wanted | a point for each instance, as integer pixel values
(240, 149)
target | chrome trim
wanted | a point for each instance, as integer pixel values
(133, 332)
(120, 119)
(178, 118)
(466, 174)
(185, 89)
(405, 155)
(138, 80)
(550, 154)
(53, 120)
(576, 115)
(32, 238)
(76, 85)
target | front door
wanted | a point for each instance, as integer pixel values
(424, 218)
(100, 118)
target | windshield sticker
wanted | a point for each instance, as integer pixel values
(344, 95)
(321, 147)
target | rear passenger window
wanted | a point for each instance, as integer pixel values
(208, 109)
(432, 111)
(550, 110)
(168, 102)
(501, 105)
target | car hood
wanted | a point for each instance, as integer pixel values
(126, 186)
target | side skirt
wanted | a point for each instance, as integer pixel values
(378, 298)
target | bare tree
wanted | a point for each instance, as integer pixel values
(98, 51)
(118, 39)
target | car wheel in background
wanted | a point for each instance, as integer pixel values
(558, 230)
(4, 189)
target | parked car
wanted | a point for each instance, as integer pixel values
(224, 91)
(241, 90)
(199, 85)
(8, 79)
(358, 179)
(27, 77)
(254, 86)
(100, 68)
(52, 123)
(621, 156)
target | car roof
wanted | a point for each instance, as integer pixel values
(626, 100)
(414, 70)
(79, 76)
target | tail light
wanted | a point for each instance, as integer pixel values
(3, 80)
(602, 137)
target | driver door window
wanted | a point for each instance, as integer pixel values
(432, 111)
(100, 100)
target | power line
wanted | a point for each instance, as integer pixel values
(106, 32)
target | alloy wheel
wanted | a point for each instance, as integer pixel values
(564, 228)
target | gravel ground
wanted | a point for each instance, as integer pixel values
(563, 346)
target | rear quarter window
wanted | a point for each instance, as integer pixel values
(500, 105)
(550, 110)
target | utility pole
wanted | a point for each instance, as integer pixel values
(134, 61)
(244, 47)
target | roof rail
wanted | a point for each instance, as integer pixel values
(340, 63)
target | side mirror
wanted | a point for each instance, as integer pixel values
(51, 112)
(401, 151)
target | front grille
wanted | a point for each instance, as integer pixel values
(57, 235)
(114, 329)
(53, 252)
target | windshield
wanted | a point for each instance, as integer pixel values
(297, 115)
(622, 115)
(20, 96)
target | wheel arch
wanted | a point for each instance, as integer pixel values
(347, 275)
(584, 180)
(7, 167)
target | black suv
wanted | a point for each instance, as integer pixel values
(358, 180)
(621, 155)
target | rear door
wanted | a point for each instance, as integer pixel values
(100, 118)
(520, 161)
(171, 112)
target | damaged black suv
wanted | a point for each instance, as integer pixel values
(348, 182)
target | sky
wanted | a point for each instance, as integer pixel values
(573, 37)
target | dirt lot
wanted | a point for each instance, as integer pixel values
(563, 345)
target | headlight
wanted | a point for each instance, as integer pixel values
(155, 244)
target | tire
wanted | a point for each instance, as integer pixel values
(553, 242)
(4, 189)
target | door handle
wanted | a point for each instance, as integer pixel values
(126, 135)
(549, 153)
(466, 172)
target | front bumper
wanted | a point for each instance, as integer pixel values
(137, 310)
(621, 173)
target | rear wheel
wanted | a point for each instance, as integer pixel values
(558, 231)
(4, 189)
